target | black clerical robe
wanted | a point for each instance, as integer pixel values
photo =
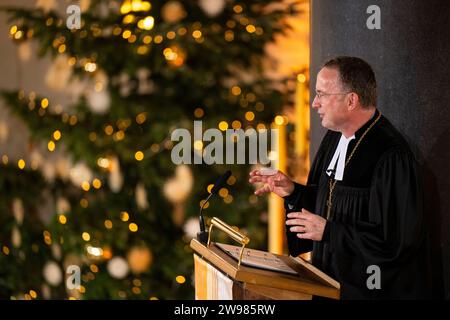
(376, 216)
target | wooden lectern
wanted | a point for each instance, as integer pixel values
(252, 283)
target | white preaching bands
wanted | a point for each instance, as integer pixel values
(339, 158)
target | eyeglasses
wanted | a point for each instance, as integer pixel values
(319, 95)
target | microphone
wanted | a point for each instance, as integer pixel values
(202, 236)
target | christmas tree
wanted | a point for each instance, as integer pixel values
(98, 189)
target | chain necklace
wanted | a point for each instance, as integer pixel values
(333, 181)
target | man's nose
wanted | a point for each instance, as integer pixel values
(315, 103)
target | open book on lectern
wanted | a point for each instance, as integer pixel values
(256, 258)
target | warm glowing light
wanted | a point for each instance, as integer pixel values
(109, 130)
(301, 78)
(95, 251)
(171, 35)
(139, 155)
(103, 163)
(13, 30)
(198, 113)
(141, 117)
(44, 103)
(126, 34)
(229, 35)
(21, 164)
(133, 227)
(236, 124)
(158, 39)
(198, 145)
(62, 219)
(250, 28)
(51, 146)
(129, 18)
(279, 120)
(124, 216)
(235, 90)
(97, 184)
(180, 279)
(249, 115)
(147, 23)
(223, 192)
(108, 224)
(237, 8)
(57, 135)
(197, 34)
(86, 237)
(209, 188)
(90, 67)
(147, 39)
(223, 125)
(85, 186)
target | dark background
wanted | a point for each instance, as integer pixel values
(410, 57)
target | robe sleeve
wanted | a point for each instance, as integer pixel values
(301, 197)
(392, 231)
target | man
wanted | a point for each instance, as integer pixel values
(361, 211)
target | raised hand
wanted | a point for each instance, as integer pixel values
(277, 183)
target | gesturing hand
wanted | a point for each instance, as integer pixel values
(307, 224)
(277, 183)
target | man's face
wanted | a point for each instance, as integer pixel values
(333, 103)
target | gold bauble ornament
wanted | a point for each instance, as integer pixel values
(173, 11)
(139, 259)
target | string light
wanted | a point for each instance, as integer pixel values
(141, 117)
(85, 186)
(133, 227)
(44, 103)
(124, 216)
(301, 78)
(223, 192)
(198, 145)
(5, 250)
(196, 34)
(108, 224)
(228, 199)
(180, 279)
(139, 155)
(231, 180)
(235, 90)
(223, 125)
(62, 219)
(103, 163)
(279, 120)
(250, 28)
(21, 164)
(147, 23)
(158, 39)
(236, 124)
(249, 115)
(94, 251)
(96, 183)
(109, 130)
(90, 66)
(198, 112)
(51, 146)
(237, 8)
(86, 237)
(13, 30)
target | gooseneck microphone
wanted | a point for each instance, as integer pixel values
(202, 236)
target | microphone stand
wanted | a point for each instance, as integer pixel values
(202, 236)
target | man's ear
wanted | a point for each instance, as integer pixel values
(353, 101)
